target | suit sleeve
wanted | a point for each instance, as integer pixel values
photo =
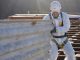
(46, 17)
(66, 24)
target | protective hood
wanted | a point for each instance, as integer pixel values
(55, 6)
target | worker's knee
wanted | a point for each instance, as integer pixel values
(71, 56)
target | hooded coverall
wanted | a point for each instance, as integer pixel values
(61, 30)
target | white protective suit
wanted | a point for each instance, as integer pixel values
(68, 49)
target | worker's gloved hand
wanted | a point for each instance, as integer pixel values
(34, 22)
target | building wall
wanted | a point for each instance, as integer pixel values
(10, 7)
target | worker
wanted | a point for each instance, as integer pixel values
(61, 25)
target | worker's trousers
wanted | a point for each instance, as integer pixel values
(68, 51)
